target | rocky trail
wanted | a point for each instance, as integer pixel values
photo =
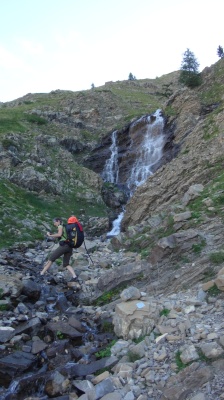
(54, 336)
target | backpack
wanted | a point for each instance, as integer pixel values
(74, 232)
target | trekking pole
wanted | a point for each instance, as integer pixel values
(88, 253)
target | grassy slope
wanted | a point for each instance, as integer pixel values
(129, 99)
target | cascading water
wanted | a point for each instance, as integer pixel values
(116, 225)
(110, 171)
(147, 153)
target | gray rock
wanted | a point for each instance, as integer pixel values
(6, 333)
(131, 293)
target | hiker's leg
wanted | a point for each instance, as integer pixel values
(71, 270)
(66, 261)
(54, 256)
(46, 267)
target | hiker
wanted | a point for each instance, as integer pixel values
(63, 249)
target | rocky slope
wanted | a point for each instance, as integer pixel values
(170, 249)
(57, 342)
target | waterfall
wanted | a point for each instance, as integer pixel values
(110, 171)
(116, 225)
(147, 153)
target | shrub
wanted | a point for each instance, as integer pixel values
(217, 258)
(105, 352)
(35, 119)
(165, 312)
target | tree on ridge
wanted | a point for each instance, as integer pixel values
(131, 77)
(189, 73)
(220, 52)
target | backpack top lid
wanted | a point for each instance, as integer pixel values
(72, 220)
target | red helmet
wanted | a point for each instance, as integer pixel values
(72, 220)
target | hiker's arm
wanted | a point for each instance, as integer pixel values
(58, 234)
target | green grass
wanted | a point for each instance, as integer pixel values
(213, 191)
(165, 312)
(11, 124)
(181, 365)
(144, 253)
(109, 296)
(202, 357)
(132, 357)
(198, 247)
(170, 111)
(60, 335)
(209, 273)
(217, 257)
(179, 362)
(212, 94)
(213, 291)
(138, 340)
(105, 352)
(167, 229)
(3, 307)
(35, 119)
(107, 326)
(17, 205)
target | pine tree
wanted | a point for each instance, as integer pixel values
(189, 74)
(220, 52)
(131, 77)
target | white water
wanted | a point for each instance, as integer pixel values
(149, 153)
(110, 171)
(116, 225)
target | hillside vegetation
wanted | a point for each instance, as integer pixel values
(44, 139)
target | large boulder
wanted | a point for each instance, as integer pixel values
(135, 318)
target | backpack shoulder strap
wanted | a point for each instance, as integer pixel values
(64, 233)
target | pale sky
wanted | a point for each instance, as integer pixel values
(69, 44)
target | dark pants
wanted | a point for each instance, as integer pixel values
(65, 250)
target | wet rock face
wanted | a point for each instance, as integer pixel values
(114, 196)
(98, 156)
(129, 142)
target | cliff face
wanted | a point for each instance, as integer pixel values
(136, 145)
(197, 122)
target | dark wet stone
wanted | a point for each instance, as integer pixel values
(75, 323)
(6, 333)
(14, 364)
(59, 359)
(83, 370)
(64, 328)
(57, 347)
(31, 327)
(38, 346)
(76, 354)
(62, 303)
(27, 384)
(31, 289)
